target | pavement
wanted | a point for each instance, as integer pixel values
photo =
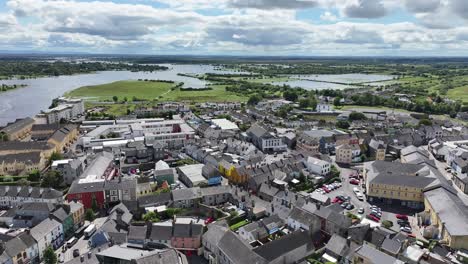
(81, 244)
(388, 212)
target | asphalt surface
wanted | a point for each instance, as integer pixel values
(388, 212)
(81, 244)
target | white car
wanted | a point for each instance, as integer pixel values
(406, 229)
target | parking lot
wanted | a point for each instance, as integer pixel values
(388, 212)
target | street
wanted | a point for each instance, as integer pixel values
(81, 244)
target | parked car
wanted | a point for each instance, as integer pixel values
(76, 252)
(344, 205)
(405, 229)
(326, 189)
(354, 182)
(336, 200)
(360, 210)
(209, 220)
(373, 218)
(376, 215)
(350, 207)
(402, 216)
(402, 222)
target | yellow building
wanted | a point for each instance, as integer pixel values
(63, 137)
(398, 183)
(18, 157)
(78, 213)
(232, 172)
(449, 215)
(19, 129)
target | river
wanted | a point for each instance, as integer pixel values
(39, 92)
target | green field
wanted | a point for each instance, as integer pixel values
(159, 91)
(121, 89)
(459, 93)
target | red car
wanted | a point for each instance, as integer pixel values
(402, 216)
(373, 218)
(337, 200)
(326, 189)
(354, 182)
(209, 220)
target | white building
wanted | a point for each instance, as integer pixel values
(48, 233)
(66, 109)
(16, 195)
(318, 166)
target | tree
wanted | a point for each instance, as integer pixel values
(304, 103)
(125, 99)
(425, 122)
(49, 256)
(115, 98)
(52, 179)
(337, 101)
(151, 217)
(290, 96)
(34, 176)
(357, 116)
(254, 99)
(89, 215)
(55, 156)
(342, 124)
(94, 204)
(335, 173)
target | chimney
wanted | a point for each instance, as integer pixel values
(348, 241)
(318, 206)
(190, 228)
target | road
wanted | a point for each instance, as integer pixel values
(81, 245)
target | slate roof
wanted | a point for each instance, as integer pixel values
(276, 248)
(27, 191)
(161, 232)
(238, 251)
(24, 145)
(86, 187)
(376, 256)
(43, 228)
(17, 125)
(28, 158)
(337, 245)
(257, 130)
(155, 199)
(187, 230)
(186, 194)
(302, 216)
(137, 232)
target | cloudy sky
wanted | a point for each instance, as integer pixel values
(237, 27)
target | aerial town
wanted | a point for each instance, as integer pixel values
(232, 183)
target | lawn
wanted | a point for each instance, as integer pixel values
(238, 225)
(121, 89)
(217, 94)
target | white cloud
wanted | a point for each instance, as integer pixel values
(273, 4)
(365, 9)
(327, 16)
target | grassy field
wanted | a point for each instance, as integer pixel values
(217, 94)
(159, 91)
(121, 89)
(459, 93)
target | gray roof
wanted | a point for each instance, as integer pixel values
(450, 209)
(319, 133)
(257, 130)
(37, 206)
(391, 245)
(161, 232)
(28, 158)
(277, 248)
(376, 256)
(302, 216)
(24, 145)
(338, 245)
(238, 251)
(27, 191)
(155, 199)
(137, 232)
(187, 230)
(215, 190)
(43, 228)
(186, 194)
(215, 233)
(17, 125)
(86, 187)
(402, 174)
